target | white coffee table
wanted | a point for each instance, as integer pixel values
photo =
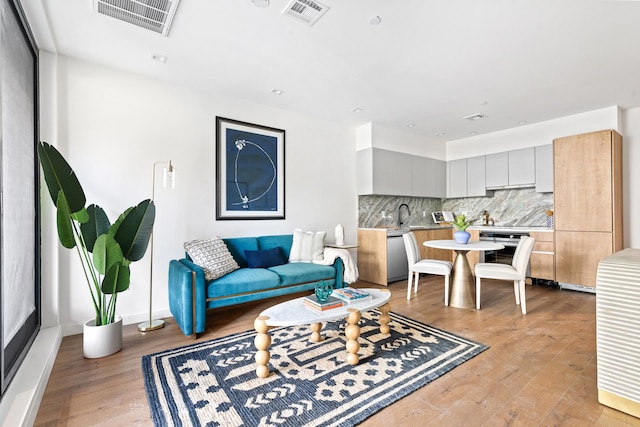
(293, 312)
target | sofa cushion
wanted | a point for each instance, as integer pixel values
(238, 245)
(303, 272)
(213, 256)
(283, 241)
(242, 281)
(264, 258)
(307, 246)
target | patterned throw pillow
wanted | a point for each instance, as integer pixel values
(307, 246)
(213, 256)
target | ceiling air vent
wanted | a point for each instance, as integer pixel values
(153, 15)
(307, 11)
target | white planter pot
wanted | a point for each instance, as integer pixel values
(101, 341)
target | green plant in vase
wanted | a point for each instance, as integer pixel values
(105, 250)
(461, 223)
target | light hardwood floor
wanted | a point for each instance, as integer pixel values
(540, 369)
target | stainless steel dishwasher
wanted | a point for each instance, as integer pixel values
(397, 266)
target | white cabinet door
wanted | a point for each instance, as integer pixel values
(476, 177)
(544, 168)
(364, 171)
(423, 182)
(522, 166)
(497, 169)
(457, 178)
(391, 173)
(441, 179)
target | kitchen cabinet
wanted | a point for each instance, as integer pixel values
(542, 261)
(392, 173)
(428, 177)
(372, 255)
(457, 178)
(434, 234)
(544, 168)
(476, 186)
(522, 167)
(587, 204)
(511, 168)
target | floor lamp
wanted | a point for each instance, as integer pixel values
(168, 180)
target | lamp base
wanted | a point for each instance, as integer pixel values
(146, 326)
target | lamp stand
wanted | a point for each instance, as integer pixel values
(153, 324)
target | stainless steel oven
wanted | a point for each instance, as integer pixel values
(508, 238)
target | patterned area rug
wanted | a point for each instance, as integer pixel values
(213, 383)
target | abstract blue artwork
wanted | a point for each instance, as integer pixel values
(250, 171)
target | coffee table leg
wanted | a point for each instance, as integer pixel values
(384, 318)
(315, 332)
(352, 331)
(262, 343)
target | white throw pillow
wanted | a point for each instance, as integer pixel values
(213, 256)
(307, 246)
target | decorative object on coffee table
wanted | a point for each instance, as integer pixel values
(323, 290)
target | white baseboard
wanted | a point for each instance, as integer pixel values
(20, 403)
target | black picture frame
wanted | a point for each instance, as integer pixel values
(250, 171)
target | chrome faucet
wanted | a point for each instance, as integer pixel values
(399, 213)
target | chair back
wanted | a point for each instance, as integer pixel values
(522, 254)
(411, 246)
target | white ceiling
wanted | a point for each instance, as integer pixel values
(428, 62)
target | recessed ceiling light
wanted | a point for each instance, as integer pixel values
(475, 117)
(440, 134)
(375, 20)
(260, 3)
(411, 125)
(357, 110)
(523, 122)
(158, 57)
(473, 133)
(276, 91)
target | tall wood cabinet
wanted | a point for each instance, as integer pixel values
(587, 204)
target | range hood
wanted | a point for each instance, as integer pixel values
(511, 187)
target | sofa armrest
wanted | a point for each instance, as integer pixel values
(185, 279)
(339, 266)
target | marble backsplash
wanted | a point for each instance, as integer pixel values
(515, 207)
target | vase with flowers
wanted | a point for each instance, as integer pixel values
(461, 223)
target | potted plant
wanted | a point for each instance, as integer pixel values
(461, 223)
(105, 250)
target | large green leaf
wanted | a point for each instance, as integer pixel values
(117, 279)
(134, 231)
(64, 222)
(106, 253)
(59, 176)
(96, 225)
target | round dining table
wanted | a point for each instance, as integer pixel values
(462, 293)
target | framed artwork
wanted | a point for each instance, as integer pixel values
(250, 171)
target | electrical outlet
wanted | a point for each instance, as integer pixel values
(424, 214)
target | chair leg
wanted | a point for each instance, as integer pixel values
(477, 292)
(523, 300)
(415, 286)
(516, 291)
(446, 290)
(409, 280)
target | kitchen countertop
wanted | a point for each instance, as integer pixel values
(510, 229)
(395, 231)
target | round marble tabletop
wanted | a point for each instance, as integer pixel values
(470, 246)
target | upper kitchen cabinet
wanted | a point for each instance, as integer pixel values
(544, 168)
(387, 172)
(466, 177)
(457, 178)
(515, 168)
(428, 177)
(587, 204)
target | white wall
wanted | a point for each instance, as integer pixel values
(374, 135)
(112, 126)
(631, 176)
(534, 134)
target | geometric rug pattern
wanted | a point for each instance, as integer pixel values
(213, 383)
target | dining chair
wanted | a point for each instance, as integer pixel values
(517, 272)
(427, 266)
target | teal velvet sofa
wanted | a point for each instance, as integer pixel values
(191, 295)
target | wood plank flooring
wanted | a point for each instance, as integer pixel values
(540, 369)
